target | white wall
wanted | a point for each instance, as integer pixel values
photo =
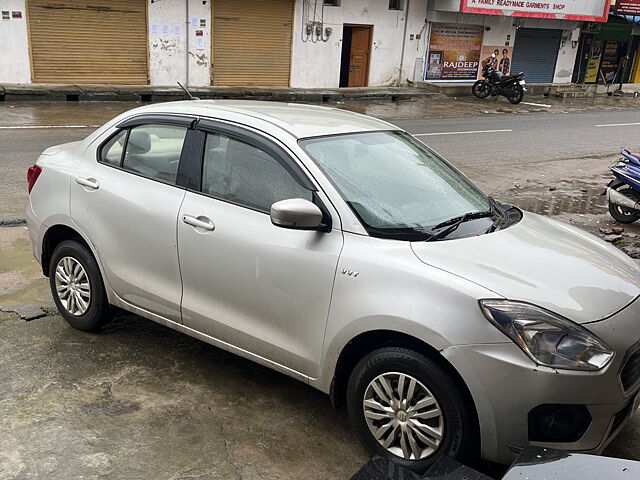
(566, 60)
(318, 64)
(15, 66)
(167, 53)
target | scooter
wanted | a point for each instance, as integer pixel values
(623, 192)
(497, 83)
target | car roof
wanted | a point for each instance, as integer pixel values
(299, 120)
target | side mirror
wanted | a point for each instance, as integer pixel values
(296, 213)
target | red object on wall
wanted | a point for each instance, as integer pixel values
(500, 6)
(628, 7)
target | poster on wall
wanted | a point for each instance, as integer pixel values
(580, 10)
(454, 51)
(628, 7)
(501, 61)
(593, 66)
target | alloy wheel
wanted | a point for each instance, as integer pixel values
(72, 286)
(403, 416)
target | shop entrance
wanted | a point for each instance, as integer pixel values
(535, 53)
(356, 50)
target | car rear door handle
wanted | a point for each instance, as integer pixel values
(201, 222)
(88, 182)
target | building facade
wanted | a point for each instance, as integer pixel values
(307, 43)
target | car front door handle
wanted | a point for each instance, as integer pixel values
(91, 183)
(200, 222)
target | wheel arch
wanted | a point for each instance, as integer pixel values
(371, 340)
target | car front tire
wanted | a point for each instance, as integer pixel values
(407, 408)
(77, 287)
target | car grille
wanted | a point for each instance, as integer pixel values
(630, 373)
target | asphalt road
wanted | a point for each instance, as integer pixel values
(494, 150)
(506, 140)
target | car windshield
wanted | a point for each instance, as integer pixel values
(394, 183)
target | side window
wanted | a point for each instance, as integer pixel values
(154, 151)
(111, 152)
(239, 172)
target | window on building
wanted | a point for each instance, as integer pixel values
(245, 175)
(332, 3)
(396, 4)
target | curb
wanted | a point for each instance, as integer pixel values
(77, 93)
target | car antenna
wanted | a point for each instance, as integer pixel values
(191, 97)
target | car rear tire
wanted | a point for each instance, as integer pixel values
(407, 408)
(77, 287)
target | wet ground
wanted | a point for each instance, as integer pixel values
(141, 401)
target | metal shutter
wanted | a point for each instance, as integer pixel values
(252, 42)
(535, 53)
(80, 41)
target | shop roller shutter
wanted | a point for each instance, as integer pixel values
(252, 42)
(97, 41)
(535, 53)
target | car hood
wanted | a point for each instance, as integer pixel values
(544, 262)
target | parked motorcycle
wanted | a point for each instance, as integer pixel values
(497, 83)
(623, 192)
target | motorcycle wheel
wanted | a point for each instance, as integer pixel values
(480, 89)
(623, 214)
(517, 96)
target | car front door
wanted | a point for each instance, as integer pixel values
(125, 196)
(262, 291)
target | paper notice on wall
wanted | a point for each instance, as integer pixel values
(177, 29)
(154, 29)
(16, 15)
(5, 15)
(203, 23)
(195, 22)
(199, 43)
(165, 29)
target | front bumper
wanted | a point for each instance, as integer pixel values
(506, 385)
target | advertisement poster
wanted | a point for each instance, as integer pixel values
(593, 67)
(501, 61)
(580, 10)
(628, 7)
(454, 51)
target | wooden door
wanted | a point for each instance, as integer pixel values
(359, 58)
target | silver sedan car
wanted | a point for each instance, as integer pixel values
(337, 249)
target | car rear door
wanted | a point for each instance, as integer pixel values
(261, 291)
(125, 196)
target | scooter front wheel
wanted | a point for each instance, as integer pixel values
(480, 89)
(622, 214)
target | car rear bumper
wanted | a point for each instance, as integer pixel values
(506, 386)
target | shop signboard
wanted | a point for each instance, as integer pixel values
(578, 10)
(627, 7)
(454, 51)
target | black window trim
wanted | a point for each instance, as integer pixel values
(259, 141)
(196, 163)
(127, 125)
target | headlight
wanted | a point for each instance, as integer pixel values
(548, 339)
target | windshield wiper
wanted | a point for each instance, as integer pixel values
(455, 222)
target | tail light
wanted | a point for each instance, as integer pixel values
(32, 175)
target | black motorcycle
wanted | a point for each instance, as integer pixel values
(497, 83)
